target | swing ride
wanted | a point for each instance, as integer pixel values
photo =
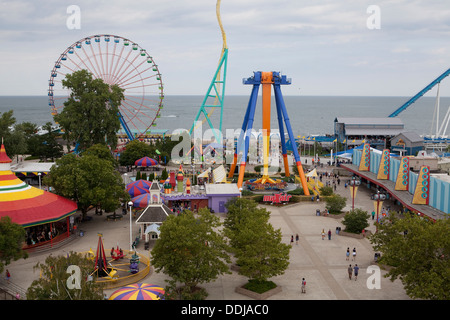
(124, 267)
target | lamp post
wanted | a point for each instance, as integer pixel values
(354, 183)
(379, 197)
(130, 204)
(39, 176)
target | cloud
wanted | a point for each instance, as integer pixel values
(314, 43)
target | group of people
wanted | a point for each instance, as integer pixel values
(351, 270)
(296, 239)
(323, 234)
(347, 254)
(38, 234)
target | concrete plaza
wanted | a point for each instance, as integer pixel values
(321, 262)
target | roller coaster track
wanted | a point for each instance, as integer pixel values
(419, 94)
(216, 89)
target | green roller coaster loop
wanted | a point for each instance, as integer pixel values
(216, 89)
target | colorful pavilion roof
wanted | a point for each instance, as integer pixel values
(3, 156)
(27, 205)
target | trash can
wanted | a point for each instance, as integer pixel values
(376, 256)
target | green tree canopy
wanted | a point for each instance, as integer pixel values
(12, 236)
(257, 246)
(90, 114)
(418, 249)
(44, 146)
(356, 220)
(89, 180)
(335, 203)
(135, 150)
(54, 275)
(12, 135)
(102, 152)
(191, 248)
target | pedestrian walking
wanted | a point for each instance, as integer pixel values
(323, 234)
(329, 234)
(303, 285)
(296, 238)
(354, 255)
(356, 270)
(292, 239)
(8, 275)
(373, 215)
(347, 254)
(350, 271)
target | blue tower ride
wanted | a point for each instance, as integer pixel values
(266, 79)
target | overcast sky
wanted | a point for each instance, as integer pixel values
(325, 46)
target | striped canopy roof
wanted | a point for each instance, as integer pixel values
(27, 205)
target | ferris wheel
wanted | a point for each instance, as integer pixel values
(115, 60)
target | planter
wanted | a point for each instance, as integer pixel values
(336, 216)
(258, 296)
(355, 235)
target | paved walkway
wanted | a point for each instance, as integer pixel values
(321, 262)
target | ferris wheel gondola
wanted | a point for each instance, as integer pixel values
(112, 59)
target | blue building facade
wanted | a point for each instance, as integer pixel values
(439, 194)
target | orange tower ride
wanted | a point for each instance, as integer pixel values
(267, 79)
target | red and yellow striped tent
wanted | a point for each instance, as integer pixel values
(27, 205)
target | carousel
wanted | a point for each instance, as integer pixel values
(45, 216)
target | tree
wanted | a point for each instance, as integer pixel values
(135, 150)
(90, 114)
(335, 203)
(49, 147)
(12, 135)
(191, 249)
(418, 249)
(164, 174)
(54, 282)
(102, 152)
(89, 180)
(30, 130)
(11, 241)
(257, 246)
(326, 191)
(165, 146)
(356, 220)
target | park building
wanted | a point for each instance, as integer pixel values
(375, 131)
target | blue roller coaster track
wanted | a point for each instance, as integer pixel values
(419, 94)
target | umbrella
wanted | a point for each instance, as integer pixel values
(135, 191)
(141, 201)
(138, 291)
(145, 162)
(140, 183)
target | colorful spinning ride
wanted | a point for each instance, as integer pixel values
(119, 61)
(267, 79)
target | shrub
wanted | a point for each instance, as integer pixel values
(259, 286)
(355, 221)
(335, 203)
(326, 191)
